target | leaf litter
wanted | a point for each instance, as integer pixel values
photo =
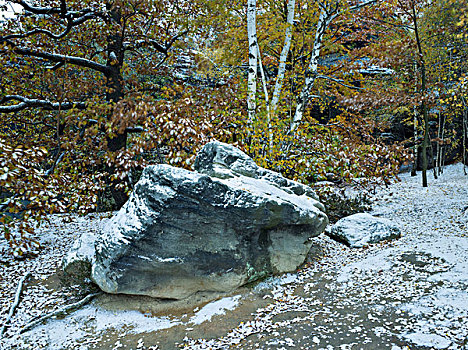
(412, 292)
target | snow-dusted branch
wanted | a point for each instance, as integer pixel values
(362, 4)
(154, 43)
(53, 57)
(62, 11)
(19, 291)
(70, 25)
(35, 103)
(338, 81)
(51, 170)
(39, 10)
(60, 312)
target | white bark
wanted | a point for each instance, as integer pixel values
(311, 73)
(252, 78)
(327, 15)
(283, 56)
(267, 99)
(465, 133)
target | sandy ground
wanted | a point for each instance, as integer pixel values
(410, 293)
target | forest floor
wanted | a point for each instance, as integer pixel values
(409, 293)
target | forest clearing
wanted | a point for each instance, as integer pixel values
(221, 174)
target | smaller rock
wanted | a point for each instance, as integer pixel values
(362, 229)
(77, 262)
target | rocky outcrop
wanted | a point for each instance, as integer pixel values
(228, 224)
(362, 229)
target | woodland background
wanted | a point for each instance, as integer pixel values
(349, 92)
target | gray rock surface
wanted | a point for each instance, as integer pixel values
(184, 232)
(77, 262)
(362, 229)
(221, 160)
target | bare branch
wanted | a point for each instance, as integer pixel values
(56, 66)
(16, 302)
(135, 129)
(154, 43)
(39, 31)
(77, 61)
(130, 129)
(38, 10)
(36, 103)
(56, 162)
(362, 4)
(60, 312)
(339, 81)
(62, 11)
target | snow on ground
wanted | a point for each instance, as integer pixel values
(409, 293)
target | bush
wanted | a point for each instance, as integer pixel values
(338, 204)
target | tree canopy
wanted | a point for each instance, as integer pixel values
(91, 92)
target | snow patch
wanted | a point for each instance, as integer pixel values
(218, 307)
(433, 341)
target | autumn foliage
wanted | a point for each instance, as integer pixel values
(82, 113)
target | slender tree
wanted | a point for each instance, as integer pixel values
(253, 53)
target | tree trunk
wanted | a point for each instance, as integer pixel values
(415, 126)
(252, 77)
(283, 57)
(114, 93)
(311, 72)
(415, 150)
(267, 100)
(422, 67)
(465, 134)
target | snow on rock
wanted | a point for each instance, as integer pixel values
(362, 229)
(432, 341)
(78, 260)
(183, 232)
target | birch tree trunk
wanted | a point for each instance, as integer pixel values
(465, 133)
(311, 72)
(283, 57)
(329, 11)
(252, 77)
(267, 99)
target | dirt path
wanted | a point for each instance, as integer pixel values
(410, 293)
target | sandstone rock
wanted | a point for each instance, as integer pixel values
(183, 232)
(77, 262)
(222, 161)
(362, 229)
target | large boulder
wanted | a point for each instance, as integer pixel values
(362, 229)
(183, 232)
